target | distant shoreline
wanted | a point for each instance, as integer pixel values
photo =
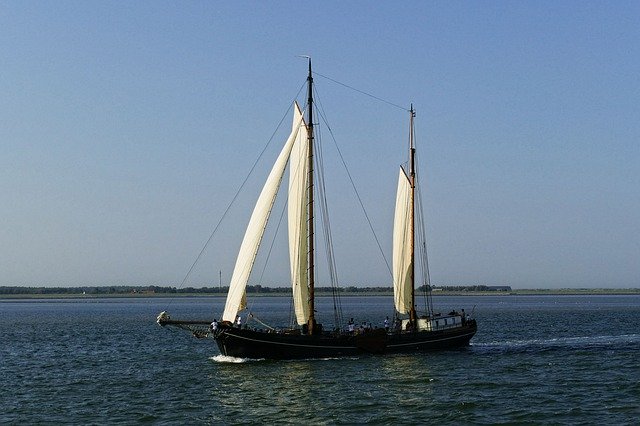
(523, 292)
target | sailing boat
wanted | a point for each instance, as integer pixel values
(308, 339)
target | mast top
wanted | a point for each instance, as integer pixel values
(309, 58)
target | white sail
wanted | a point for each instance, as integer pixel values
(255, 230)
(298, 227)
(402, 235)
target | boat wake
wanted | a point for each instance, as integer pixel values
(560, 343)
(340, 358)
(224, 359)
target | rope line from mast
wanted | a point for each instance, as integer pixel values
(266, 262)
(235, 197)
(273, 240)
(253, 317)
(324, 215)
(355, 189)
(361, 91)
(424, 257)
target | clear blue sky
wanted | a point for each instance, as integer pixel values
(126, 127)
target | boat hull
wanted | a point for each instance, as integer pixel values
(246, 343)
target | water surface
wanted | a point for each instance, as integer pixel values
(535, 359)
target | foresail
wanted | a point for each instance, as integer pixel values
(298, 199)
(257, 224)
(402, 280)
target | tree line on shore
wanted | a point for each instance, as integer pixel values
(153, 289)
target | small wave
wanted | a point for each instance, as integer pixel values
(559, 343)
(232, 360)
(335, 358)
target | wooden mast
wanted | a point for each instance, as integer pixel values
(312, 321)
(412, 175)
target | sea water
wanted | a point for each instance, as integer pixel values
(535, 359)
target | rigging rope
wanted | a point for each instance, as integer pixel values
(361, 92)
(256, 319)
(273, 240)
(324, 213)
(266, 262)
(353, 185)
(424, 258)
(224, 214)
(424, 262)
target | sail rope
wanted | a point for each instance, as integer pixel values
(361, 91)
(323, 115)
(266, 262)
(253, 317)
(273, 240)
(324, 213)
(240, 188)
(424, 257)
(355, 189)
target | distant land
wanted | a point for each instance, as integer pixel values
(15, 292)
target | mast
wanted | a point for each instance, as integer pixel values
(312, 320)
(412, 176)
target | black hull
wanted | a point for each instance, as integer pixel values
(245, 343)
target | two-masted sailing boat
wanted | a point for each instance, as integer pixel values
(410, 332)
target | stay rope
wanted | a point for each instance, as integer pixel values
(355, 189)
(235, 197)
(256, 319)
(361, 91)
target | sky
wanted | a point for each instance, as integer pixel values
(126, 128)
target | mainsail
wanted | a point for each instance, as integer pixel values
(298, 227)
(402, 246)
(236, 300)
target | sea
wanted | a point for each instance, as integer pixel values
(535, 360)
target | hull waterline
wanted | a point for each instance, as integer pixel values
(245, 343)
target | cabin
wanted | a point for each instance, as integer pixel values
(438, 322)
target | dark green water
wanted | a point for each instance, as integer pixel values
(535, 360)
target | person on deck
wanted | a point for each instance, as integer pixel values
(351, 326)
(386, 324)
(239, 322)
